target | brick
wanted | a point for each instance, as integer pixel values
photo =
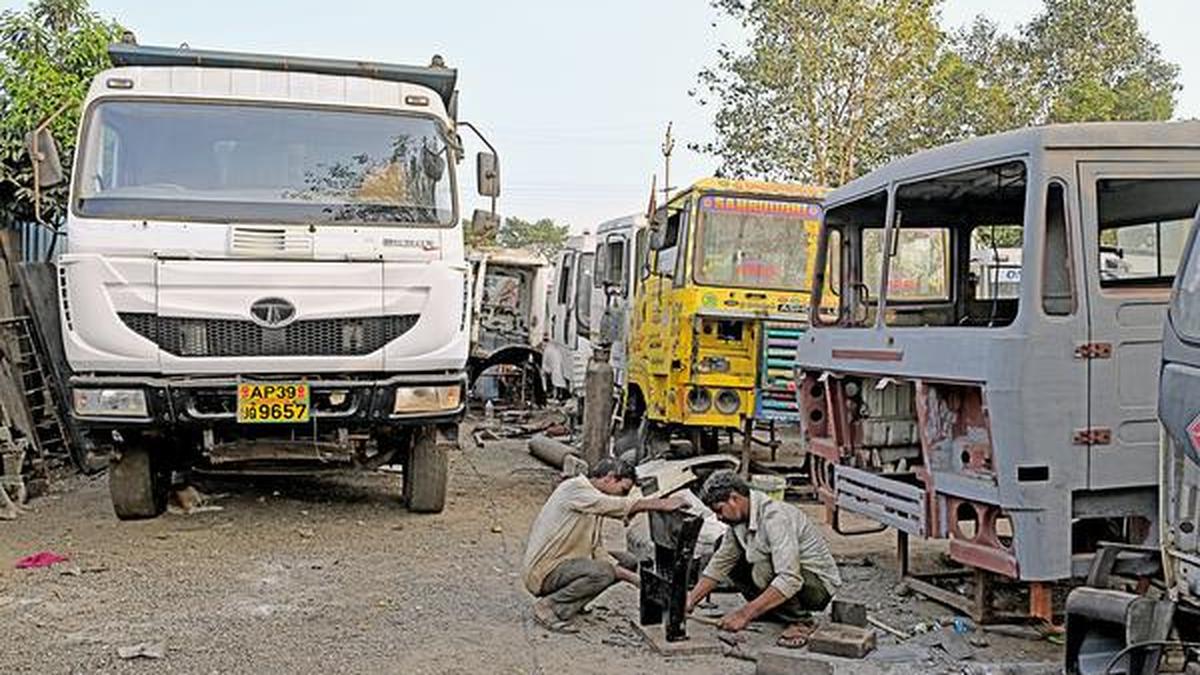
(700, 642)
(842, 640)
(850, 613)
(776, 661)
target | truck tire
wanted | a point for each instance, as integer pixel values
(137, 487)
(425, 473)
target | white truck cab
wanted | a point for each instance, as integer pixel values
(569, 317)
(264, 268)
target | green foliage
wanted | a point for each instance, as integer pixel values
(477, 239)
(1089, 60)
(998, 236)
(826, 88)
(49, 53)
(829, 89)
(541, 236)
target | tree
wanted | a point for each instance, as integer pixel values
(48, 55)
(541, 236)
(829, 89)
(477, 238)
(1089, 61)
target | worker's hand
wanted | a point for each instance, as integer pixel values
(628, 576)
(735, 621)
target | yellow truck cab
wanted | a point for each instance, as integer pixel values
(720, 304)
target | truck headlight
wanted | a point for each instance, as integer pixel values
(110, 402)
(699, 400)
(427, 399)
(728, 401)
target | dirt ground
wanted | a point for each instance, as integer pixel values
(331, 575)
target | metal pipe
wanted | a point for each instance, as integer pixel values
(551, 451)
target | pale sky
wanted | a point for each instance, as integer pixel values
(575, 95)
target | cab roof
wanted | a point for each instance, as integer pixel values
(1027, 142)
(753, 187)
(436, 77)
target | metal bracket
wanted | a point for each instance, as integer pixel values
(1093, 350)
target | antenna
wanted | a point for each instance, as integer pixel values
(667, 147)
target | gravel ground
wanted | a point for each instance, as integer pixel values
(332, 575)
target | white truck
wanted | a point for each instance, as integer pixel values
(508, 311)
(568, 343)
(264, 269)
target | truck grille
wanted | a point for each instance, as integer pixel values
(230, 337)
(776, 398)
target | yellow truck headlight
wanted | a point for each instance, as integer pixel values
(427, 399)
(699, 400)
(728, 401)
(110, 402)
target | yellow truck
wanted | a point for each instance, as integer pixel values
(721, 302)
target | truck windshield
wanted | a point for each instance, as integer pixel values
(759, 243)
(262, 163)
(1185, 309)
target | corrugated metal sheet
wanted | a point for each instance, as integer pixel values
(36, 240)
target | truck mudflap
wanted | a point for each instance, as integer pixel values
(885, 500)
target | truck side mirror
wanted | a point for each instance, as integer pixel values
(484, 221)
(487, 174)
(43, 150)
(657, 237)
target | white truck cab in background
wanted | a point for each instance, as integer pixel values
(264, 268)
(569, 318)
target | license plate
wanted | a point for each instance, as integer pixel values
(272, 402)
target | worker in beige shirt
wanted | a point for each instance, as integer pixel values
(566, 564)
(772, 553)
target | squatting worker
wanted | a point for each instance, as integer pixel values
(566, 566)
(771, 553)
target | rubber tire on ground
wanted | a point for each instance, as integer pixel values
(425, 473)
(137, 486)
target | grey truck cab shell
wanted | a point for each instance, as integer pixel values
(993, 391)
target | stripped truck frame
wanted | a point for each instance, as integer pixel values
(264, 268)
(1015, 420)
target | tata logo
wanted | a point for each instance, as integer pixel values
(272, 312)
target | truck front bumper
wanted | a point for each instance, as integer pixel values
(354, 403)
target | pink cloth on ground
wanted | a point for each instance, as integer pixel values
(42, 559)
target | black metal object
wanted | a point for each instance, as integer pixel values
(666, 579)
(1103, 623)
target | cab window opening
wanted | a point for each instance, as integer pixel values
(564, 279)
(1143, 225)
(668, 248)
(1058, 272)
(583, 294)
(958, 249)
(840, 250)
(955, 258)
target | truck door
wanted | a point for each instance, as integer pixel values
(1135, 222)
(560, 302)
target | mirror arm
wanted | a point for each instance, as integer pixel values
(490, 147)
